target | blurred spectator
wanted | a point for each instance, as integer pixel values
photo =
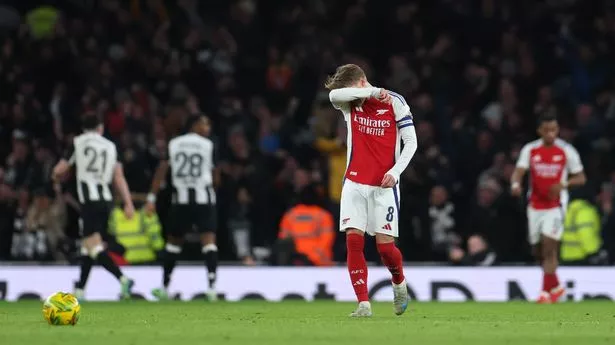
(306, 233)
(442, 224)
(493, 218)
(141, 236)
(478, 254)
(476, 80)
(240, 225)
(44, 228)
(606, 201)
(582, 241)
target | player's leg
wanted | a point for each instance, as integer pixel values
(85, 266)
(178, 223)
(357, 269)
(207, 224)
(384, 222)
(172, 249)
(97, 251)
(210, 255)
(550, 286)
(552, 231)
(535, 222)
(353, 221)
(95, 220)
(537, 253)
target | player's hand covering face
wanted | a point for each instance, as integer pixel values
(385, 96)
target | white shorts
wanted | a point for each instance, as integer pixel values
(369, 208)
(548, 222)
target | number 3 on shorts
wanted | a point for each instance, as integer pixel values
(390, 211)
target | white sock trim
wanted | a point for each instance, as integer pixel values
(209, 248)
(403, 283)
(173, 248)
(99, 248)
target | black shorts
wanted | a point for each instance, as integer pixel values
(184, 218)
(94, 218)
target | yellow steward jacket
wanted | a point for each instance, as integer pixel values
(140, 236)
(582, 227)
(337, 165)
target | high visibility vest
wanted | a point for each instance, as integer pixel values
(140, 236)
(42, 21)
(337, 165)
(311, 228)
(582, 228)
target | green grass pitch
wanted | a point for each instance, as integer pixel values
(296, 323)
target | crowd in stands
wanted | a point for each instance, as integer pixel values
(475, 73)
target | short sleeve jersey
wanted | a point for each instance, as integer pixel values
(548, 165)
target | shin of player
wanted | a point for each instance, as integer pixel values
(190, 157)
(95, 159)
(554, 166)
(376, 121)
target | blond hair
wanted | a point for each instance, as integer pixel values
(344, 76)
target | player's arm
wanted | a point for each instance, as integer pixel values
(575, 169)
(575, 180)
(407, 132)
(159, 177)
(523, 163)
(122, 187)
(65, 163)
(340, 97)
(576, 173)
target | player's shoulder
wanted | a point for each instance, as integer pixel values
(534, 144)
(399, 104)
(397, 98)
(92, 138)
(561, 143)
(567, 147)
(189, 138)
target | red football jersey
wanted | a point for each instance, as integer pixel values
(548, 165)
(373, 138)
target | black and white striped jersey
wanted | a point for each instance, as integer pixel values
(191, 158)
(94, 158)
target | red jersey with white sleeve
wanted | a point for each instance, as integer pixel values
(548, 165)
(374, 132)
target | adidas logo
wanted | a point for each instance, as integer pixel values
(359, 282)
(387, 227)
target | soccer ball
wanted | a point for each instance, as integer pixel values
(61, 309)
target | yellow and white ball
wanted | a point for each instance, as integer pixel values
(61, 309)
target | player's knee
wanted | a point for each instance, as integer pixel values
(95, 250)
(384, 238)
(549, 252)
(208, 238)
(350, 231)
(354, 241)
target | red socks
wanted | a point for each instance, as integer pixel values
(391, 258)
(357, 267)
(549, 282)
